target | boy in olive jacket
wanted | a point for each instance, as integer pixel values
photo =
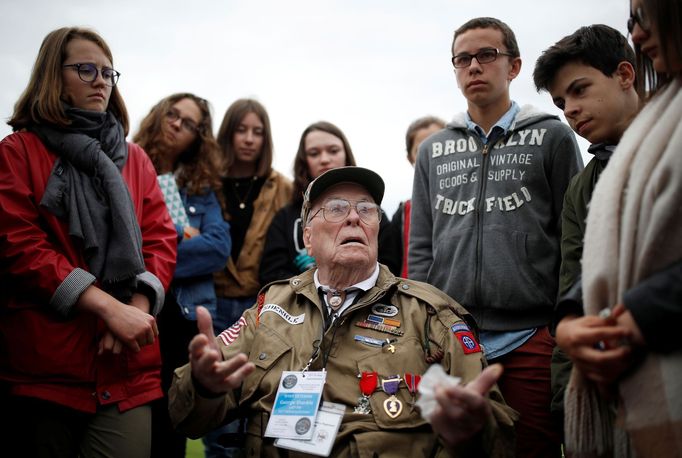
(590, 75)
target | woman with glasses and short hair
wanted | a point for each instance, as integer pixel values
(177, 135)
(86, 252)
(628, 384)
(252, 193)
(323, 146)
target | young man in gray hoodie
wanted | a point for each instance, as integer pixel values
(486, 206)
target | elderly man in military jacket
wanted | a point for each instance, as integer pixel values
(367, 334)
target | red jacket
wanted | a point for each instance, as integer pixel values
(42, 353)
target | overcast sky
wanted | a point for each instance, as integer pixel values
(370, 67)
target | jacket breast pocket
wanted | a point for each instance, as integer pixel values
(195, 212)
(271, 355)
(407, 358)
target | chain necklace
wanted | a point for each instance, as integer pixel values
(242, 201)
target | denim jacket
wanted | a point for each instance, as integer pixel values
(200, 256)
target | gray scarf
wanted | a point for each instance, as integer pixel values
(86, 188)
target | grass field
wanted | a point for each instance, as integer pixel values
(195, 449)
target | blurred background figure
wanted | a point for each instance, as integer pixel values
(177, 135)
(400, 223)
(252, 193)
(79, 355)
(624, 397)
(323, 146)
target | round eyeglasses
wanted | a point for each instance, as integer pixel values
(337, 210)
(89, 72)
(638, 17)
(483, 56)
(188, 124)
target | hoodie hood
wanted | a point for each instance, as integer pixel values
(527, 115)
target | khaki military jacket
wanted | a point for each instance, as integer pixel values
(277, 342)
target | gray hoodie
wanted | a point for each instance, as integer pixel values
(493, 244)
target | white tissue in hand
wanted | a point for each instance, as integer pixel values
(434, 376)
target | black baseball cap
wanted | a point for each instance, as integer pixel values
(366, 178)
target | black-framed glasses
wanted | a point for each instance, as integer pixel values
(638, 17)
(89, 72)
(188, 124)
(483, 56)
(337, 210)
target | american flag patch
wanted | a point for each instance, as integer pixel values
(230, 334)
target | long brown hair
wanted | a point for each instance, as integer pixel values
(233, 117)
(667, 15)
(302, 176)
(201, 162)
(41, 100)
(417, 125)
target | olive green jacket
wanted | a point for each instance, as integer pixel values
(573, 222)
(574, 219)
(274, 345)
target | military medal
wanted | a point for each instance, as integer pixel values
(384, 321)
(392, 406)
(388, 343)
(380, 327)
(368, 383)
(335, 298)
(384, 310)
(371, 341)
(412, 382)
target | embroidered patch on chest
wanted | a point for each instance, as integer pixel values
(230, 334)
(274, 308)
(466, 338)
(384, 309)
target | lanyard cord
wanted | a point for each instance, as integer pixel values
(325, 325)
(334, 320)
(297, 224)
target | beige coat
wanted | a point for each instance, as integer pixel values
(274, 345)
(240, 279)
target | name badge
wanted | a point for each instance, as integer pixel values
(324, 432)
(274, 308)
(296, 402)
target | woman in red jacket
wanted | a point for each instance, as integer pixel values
(87, 250)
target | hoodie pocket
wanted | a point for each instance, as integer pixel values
(508, 275)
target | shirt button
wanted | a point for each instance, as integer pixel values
(192, 209)
(406, 286)
(295, 282)
(106, 395)
(262, 356)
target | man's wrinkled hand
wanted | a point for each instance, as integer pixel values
(208, 368)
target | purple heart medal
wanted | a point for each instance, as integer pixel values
(392, 406)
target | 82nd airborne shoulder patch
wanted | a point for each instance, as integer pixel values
(466, 338)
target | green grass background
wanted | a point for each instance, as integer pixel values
(195, 449)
